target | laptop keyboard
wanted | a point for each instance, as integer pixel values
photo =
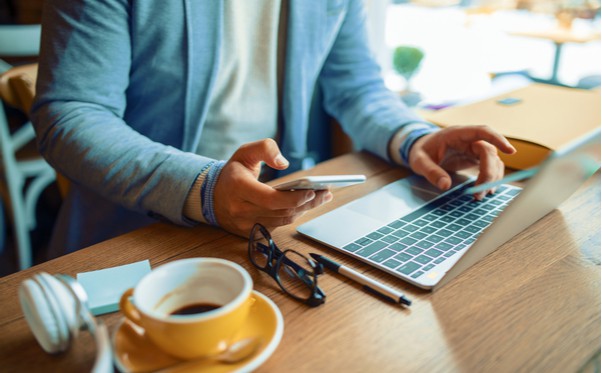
(417, 242)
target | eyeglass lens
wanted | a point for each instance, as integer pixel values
(296, 275)
(292, 271)
(261, 251)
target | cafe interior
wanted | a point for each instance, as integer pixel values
(465, 51)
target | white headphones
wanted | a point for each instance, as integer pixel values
(55, 308)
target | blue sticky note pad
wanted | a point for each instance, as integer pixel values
(105, 287)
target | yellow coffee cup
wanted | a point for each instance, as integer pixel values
(191, 308)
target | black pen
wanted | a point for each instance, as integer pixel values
(368, 283)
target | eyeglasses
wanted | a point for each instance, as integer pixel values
(296, 274)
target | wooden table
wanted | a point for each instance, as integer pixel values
(533, 305)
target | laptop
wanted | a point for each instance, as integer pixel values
(414, 232)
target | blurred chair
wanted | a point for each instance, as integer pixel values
(18, 41)
(23, 176)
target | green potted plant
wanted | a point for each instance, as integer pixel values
(406, 62)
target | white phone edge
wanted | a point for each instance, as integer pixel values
(321, 182)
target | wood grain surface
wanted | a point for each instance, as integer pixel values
(533, 305)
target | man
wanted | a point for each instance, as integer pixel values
(139, 101)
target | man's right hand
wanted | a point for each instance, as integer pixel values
(240, 200)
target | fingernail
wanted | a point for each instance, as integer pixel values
(311, 195)
(479, 196)
(281, 161)
(442, 183)
(329, 197)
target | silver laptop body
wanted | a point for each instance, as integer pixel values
(405, 227)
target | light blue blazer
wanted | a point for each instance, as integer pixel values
(124, 89)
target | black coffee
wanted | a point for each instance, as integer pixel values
(195, 308)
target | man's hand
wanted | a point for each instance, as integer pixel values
(240, 200)
(457, 148)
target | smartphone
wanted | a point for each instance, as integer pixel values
(321, 182)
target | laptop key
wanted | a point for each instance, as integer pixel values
(382, 255)
(422, 259)
(408, 268)
(417, 274)
(392, 263)
(463, 234)
(428, 229)
(433, 253)
(390, 239)
(410, 228)
(435, 238)
(396, 224)
(363, 241)
(454, 227)
(456, 214)
(371, 249)
(385, 230)
(440, 260)
(418, 235)
(443, 246)
(428, 267)
(438, 224)
(453, 240)
(413, 251)
(397, 246)
(352, 247)
(408, 241)
(420, 222)
(465, 209)
(403, 257)
(425, 244)
(482, 223)
(374, 235)
(430, 217)
(473, 229)
(400, 233)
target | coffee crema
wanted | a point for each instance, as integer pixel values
(195, 308)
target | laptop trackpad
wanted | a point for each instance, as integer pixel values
(395, 199)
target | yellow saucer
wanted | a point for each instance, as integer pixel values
(133, 352)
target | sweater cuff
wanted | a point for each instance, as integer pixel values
(193, 206)
(402, 141)
(207, 190)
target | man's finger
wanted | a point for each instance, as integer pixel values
(470, 134)
(252, 154)
(425, 166)
(489, 165)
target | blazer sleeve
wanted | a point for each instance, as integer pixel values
(354, 92)
(78, 115)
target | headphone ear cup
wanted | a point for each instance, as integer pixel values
(46, 310)
(64, 302)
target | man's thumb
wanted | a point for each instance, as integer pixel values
(266, 150)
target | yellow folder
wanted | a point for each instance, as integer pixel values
(536, 119)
